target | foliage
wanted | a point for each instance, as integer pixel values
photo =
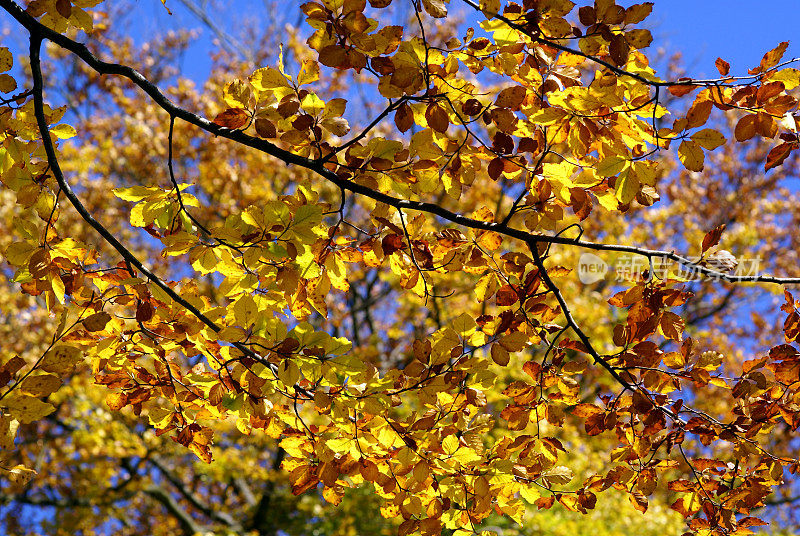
(307, 297)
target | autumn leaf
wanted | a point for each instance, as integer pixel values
(691, 155)
(708, 138)
(770, 59)
(97, 321)
(722, 66)
(711, 238)
(778, 154)
(232, 118)
(379, 291)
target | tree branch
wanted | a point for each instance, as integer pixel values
(210, 512)
(190, 528)
(261, 516)
(318, 167)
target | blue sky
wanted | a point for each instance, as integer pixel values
(739, 31)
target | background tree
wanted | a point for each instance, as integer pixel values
(351, 289)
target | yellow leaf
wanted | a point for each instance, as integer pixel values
(464, 324)
(312, 104)
(268, 78)
(466, 456)
(691, 155)
(559, 475)
(58, 287)
(26, 408)
(8, 431)
(19, 475)
(135, 193)
(490, 240)
(790, 77)
(336, 125)
(288, 372)
(309, 72)
(61, 359)
(237, 94)
(708, 138)
(486, 287)
(450, 444)
(514, 342)
(490, 8)
(626, 187)
(63, 131)
(40, 385)
(160, 418)
(611, 166)
(317, 290)
(6, 59)
(710, 360)
(245, 311)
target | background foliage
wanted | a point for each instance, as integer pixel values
(346, 302)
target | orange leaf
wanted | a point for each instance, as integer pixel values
(232, 118)
(745, 128)
(712, 237)
(437, 118)
(404, 117)
(679, 90)
(506, 295)
(778, 154)
(723, 66)
(698, 113)
(770, 59)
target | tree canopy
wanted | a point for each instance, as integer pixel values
(412, 267)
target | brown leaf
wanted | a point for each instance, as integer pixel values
(639, 501)
(619, 49)
(500, 355)
(638, 12)
(391, 243)
(511, 97)
(404, 117)
(587, 15)
(303, 478)
(232, 118)
(679, 90)
(770, 59)
(144, 311)
(435, 8)
(472, 107)
(712, 237)
(698, 114)
(581, 203)
(506, 295)
(437, 118)
(672, 325)
(64, 8)
(97, 321)
(778, 154)
(265, 128)
(496, 167)
(723, 66)
(745, 128)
